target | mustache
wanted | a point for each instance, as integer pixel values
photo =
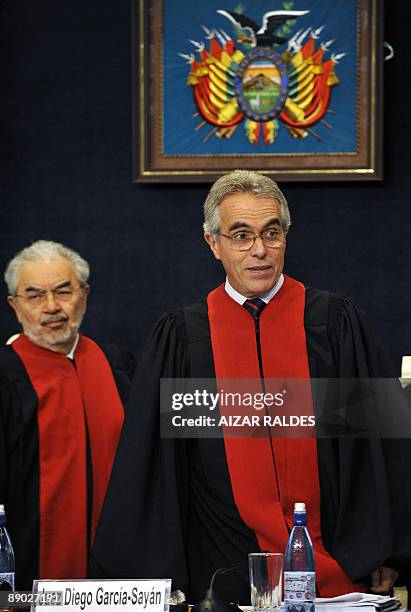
(55, 319)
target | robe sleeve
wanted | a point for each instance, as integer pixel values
(123, 365)
(364, 484)
(5, 402)
(19, 464)
(140, 533)
(356, 351)
(11, 418)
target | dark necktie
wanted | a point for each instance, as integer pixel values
(254, 307)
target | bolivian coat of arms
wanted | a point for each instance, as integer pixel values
(262, 75)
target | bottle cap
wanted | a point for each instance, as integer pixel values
(299, 507)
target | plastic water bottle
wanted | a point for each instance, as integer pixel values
(299, 566)
(6, 553)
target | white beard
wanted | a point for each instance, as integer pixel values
(48, 340)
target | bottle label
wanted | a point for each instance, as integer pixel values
(299, 586)
(7, 577)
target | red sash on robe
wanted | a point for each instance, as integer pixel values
(267, 511)
(69, 397)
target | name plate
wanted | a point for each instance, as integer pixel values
(101, 595)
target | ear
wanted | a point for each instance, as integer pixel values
(11, 301)
(14, 304)
(213, 243)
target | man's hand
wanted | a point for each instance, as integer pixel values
(383, 579)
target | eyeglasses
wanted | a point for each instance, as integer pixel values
(273, 238)
(39, 296)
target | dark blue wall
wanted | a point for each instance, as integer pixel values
(65, 146)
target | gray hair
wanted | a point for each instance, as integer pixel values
(44, 250)
(241, 181)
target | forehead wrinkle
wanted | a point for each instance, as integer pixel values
(46, 274)
(242, 224)
(248, 210)
(252, 221)
(58, 285)
(244, 211)
(255, 214)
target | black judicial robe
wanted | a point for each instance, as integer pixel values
(170, 511)
(19, 453)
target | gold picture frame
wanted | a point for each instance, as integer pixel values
(154, 127)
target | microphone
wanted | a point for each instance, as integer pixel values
(211, 603)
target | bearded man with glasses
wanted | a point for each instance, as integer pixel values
(186, 507)
(61, 411)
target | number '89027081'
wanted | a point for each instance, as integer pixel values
(24, 599)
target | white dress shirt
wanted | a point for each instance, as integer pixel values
(70, 355)
(237, 297)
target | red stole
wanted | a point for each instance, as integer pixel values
(69, 397)
(250, 460)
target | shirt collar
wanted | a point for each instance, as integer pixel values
(240, 299)
(70, 355)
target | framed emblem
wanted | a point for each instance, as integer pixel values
(291, 88)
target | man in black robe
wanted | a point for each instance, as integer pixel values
(178, 508)
(61, 411)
